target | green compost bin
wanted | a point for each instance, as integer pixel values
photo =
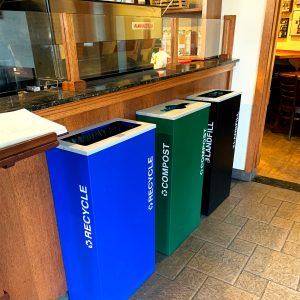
(180, 148)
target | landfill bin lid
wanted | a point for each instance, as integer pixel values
(173, 110)
(134, 128)
(215, 95)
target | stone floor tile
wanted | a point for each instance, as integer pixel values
(282, 223)
(263, 234)
(251, 283)
(154, 280)
(291, 249)
(242, 247)
(225, 208)
(284, 195)
(218, 262)
(169, 290)
(278, 292)
(162, 289)
(275, 266)
(214, 289)
(233, 183)
(217, 232)
(289, 211)
(192, 243)
(294, 235)
(271, 201)
(250, 190)
(235, 220)
(170, 266)
(190, 278)
(253, 210)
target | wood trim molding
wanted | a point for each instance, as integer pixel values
(174, 40)
(263, 82)
(228, 36)
(12, 154)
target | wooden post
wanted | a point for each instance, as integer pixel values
(74, 83)
(174, 43)
(228, 36)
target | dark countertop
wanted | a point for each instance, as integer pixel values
(52, 97)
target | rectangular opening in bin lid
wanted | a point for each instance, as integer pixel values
(100, 133)
(216, 95)
(173, 110)
(101, 136)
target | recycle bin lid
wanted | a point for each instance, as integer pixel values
(173, 110)
(135, 128)
(215, 95)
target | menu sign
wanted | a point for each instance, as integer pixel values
(283, 27)
(287, 5)
(295, 25)
(142, 26)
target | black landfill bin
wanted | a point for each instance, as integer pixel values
(220, 145)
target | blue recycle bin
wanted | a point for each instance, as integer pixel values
(102, 180)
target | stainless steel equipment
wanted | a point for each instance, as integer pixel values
(110, 37)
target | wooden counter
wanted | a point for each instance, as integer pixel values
(286, 54)
(31, 265)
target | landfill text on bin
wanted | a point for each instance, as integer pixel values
(209, 141)
(203, 153)
(150, 183)
(86, 217)
(165, 169)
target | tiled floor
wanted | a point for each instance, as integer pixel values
(249, 248)
(277, 145)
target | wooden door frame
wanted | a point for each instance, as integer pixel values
(263, 83)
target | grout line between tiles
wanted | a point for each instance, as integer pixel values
(289, 232)
(243, 269)
(264, 291)
(235, 236)
(275, 213)
(186, 264)
(200, 287)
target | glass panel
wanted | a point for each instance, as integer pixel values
(27, 51)
(101, 58)
(189, 36)
(191, 32)
(199, 37)
(16, 58)
(166, 42)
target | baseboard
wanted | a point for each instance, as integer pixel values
(278, 183)
(243, 175)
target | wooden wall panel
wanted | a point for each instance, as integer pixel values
(30, 258)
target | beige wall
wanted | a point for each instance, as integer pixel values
(247, 43)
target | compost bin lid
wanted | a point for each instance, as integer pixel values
(173, 110)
